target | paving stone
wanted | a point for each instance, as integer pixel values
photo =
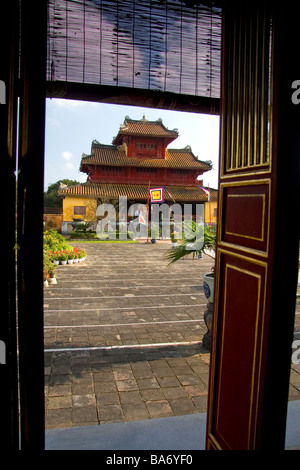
(182, 370)
(134, 396)
(82, 389)
(189, 379)
(58, 418)
(60, 390)
(164, 372)
(174, 392)
(108, 412)
(181, 406)
(126, 385)
(101, 387)
(196, 390)
(294, 377)
(84, 414)
(103, 375)
(84, 400)
(199, 369)
(152, 394)
(200, 403)
(168, 381)
(135, 411)
(60, 379)
(108, 398)
(80, 376)
(59, 402)
(123, 375)
(147, 383)
(159, 408)
(204, 379)
(142, 371)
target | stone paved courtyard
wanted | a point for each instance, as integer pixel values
(123, 335)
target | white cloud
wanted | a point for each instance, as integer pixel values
(67, 155)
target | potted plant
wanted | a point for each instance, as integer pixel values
(48, 267)
(205, 243)
(63, 258)
(54, 258)
(81, 254)
(52, 278)
(71, 257)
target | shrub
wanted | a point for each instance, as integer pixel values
(63, 256)
(48, 267)
(55, 241)
(83, 235)
(80, 253)
(58, 249)
(82, 227)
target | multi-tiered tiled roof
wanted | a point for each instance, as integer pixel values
(116, 156)
(138, 192)
(170, 162)
(144, 127)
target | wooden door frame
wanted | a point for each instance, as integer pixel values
(267, 261)
(9, 424)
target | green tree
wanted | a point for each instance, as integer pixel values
(51, 197)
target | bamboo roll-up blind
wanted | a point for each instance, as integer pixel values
(166, 45)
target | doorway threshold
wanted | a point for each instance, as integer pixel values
(185, 432)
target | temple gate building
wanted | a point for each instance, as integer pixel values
(138, 158)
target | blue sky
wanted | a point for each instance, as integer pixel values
(72, 125)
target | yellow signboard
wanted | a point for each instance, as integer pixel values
(156, 195)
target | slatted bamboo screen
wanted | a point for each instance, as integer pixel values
(170, 46)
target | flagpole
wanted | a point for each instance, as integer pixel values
(209, 206)
(148, 212)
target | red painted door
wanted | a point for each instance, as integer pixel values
(252, 318)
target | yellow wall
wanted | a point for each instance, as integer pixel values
(91, 205)
(52, 221)
(68, 208)
(210, 208)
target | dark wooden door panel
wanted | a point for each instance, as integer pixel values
(238, 350)
(246, 214)
(243, 264)
(257, 241)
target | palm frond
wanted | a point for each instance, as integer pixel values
(189, 246)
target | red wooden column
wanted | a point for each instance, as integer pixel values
(254, 306)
